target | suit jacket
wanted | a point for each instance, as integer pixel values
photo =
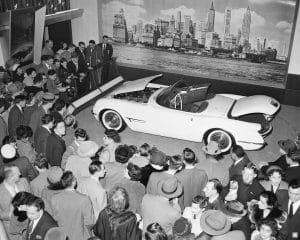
(40, 139)
(15, 119)
(290, 229)
(82, 67)
(39, 183)
(93, 56)
(36, 118)
(73, 68)
(74, 213)
(236, 170)
(114, 174)
(55, 149)
(215, 205)
(281, 192)
(158, 209)
(243, 225)
(3, 129)
(292, 173)
(107, 52)
(44, 224)
(155, 178)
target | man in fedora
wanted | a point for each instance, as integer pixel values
(159, 208)
(237, 214)
(214, 165)
(36, 117)
(79, 164)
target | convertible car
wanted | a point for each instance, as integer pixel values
(188, 113)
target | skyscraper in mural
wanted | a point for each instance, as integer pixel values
(227, 20)
(119, 27)
(186, 27)
(246, 27)
(178, 21)
(211, 18)
(172, 25)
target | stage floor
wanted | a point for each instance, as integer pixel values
(285, 125)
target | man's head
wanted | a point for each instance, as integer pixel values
(50, 60)
(12, 174)
(189, 156)
(105, 39)
(48, 120)
(237, 152)
(81, 46)
(74, 57)
(213, 188)
(249, 173)
(175, 162)
(38, 80)
(20, 100)
(52, 74)
(68, 180)
(294, 190)
(80, 135)
(34, 208)
(71, 48)
(97, 169)
(49, 43)
(92, 43)
(123, 154)
(41, 163)
(31, 72)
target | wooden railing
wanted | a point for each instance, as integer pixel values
(52, 6)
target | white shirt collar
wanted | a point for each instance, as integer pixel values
(189, 166)
(157, 167)
(213, 199)
(46, 128)
(237, 161)
(296, 205)
(13, 190)
(35, 222)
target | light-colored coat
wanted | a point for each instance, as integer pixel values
(79, 166)
(158, 209)
(74, 213)
(39, 183)
(93, 188)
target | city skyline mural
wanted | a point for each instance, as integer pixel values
(249, 37)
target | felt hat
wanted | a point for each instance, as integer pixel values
(214, 222)
(12, 88)
(55, 233)
(234, 209)
(169, 188)
(158, 157)
(48, 97)
(54, 174)
(8, 151)
(273, 167)
(212, 148)
(123, 153)
(39, 96)
(87, 149)
(182, 227)
(287, 145)
(232, 235)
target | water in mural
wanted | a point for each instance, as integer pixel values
(241, 40)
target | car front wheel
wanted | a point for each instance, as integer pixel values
(222, 137)
(111, 119)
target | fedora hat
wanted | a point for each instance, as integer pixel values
(212, 148)
(288, 145)
(48, 97)
(234, 209)
(214, 222)
(182, 227)
(232, 235)
(8, 151)
(87, 149)
(169, 188)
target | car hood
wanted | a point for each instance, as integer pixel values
(218, 106)
(136, 85)
(255, 104)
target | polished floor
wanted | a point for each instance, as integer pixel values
(286, 124)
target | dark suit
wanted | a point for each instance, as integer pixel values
(243, 225)
(106, 54)
(15, 119)
(236, 170)
(36, 118)
(290, 228)
(292, 173)
(55, 148)
(215, 205)
(40, 139)
(82, 86)
(93, 58)
(44, 224)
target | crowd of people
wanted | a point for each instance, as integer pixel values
(58, 184)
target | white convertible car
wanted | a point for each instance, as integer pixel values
(189, 113)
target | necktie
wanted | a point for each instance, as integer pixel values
(30, 228)
(291, 210)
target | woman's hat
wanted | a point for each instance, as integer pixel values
(212, 148)
(87, 149)
(8, 151)
(169, 188)
(214, 222)
(273, 167)
(158, 157)
(182, 227)
(234, 209)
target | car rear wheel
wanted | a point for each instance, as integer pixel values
(223, 138)
(111, 119)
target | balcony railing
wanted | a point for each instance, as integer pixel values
(52, 6)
